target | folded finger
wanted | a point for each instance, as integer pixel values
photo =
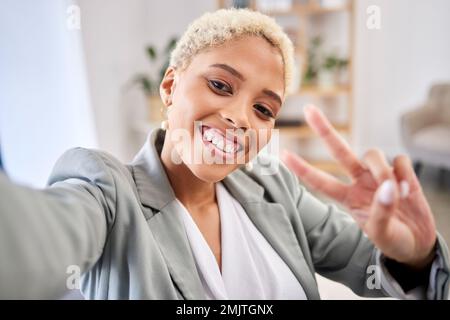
(378, 166)
(382, 209)
(404, 173)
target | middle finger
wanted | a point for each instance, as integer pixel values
(335, 143)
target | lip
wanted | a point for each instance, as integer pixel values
(230, 138)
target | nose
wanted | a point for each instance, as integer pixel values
(243, 128)
(237, 117)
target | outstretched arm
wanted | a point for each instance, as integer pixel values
(44, 234)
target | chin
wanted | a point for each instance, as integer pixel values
(213, 172)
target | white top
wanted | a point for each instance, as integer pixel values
(251, 268)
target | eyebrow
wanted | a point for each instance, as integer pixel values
(272, 95)
(237, 74)
(231, 70)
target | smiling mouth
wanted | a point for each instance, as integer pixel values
(216, 139)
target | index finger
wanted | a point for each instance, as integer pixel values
(338, 147)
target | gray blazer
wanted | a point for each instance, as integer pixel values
(117, 224)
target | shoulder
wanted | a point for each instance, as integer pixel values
(89, 165)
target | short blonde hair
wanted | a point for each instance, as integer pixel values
(215, 28)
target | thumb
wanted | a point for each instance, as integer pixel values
(385, 203)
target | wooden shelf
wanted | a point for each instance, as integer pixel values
(291, 12)
(304, 131)
(322, 91)
(316, 10)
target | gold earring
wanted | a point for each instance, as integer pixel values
(164, 124)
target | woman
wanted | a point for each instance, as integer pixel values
(187, 221)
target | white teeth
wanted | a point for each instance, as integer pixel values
(209, 135)
(220, 144)
(218, 141)
(229, 148)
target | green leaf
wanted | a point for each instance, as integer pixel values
(151, 51)
(145, 83)
(171, 45)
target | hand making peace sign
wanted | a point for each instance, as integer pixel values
(386, 201)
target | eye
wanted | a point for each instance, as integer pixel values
(220, 86)
(264, 111)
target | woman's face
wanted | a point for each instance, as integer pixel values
(223, 106)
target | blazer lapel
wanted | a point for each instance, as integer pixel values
(169, 231)
(273, 222)
(158, 200)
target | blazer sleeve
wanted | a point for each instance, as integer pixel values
(47, 234)
(341, 252)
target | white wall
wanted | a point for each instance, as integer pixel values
(175, 16)
(396, 65)
(44, 103)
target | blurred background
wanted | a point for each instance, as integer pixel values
(86, 73)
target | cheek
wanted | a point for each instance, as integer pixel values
(262, 135)
(190, 103)
(182, 113)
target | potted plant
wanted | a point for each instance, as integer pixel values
(313, 65)
(331, 70)
(150, 82)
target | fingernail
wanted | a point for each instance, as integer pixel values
(404, 189)
(386, 193)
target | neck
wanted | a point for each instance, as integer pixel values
(189, 189)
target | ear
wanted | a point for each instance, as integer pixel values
(167, 86)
